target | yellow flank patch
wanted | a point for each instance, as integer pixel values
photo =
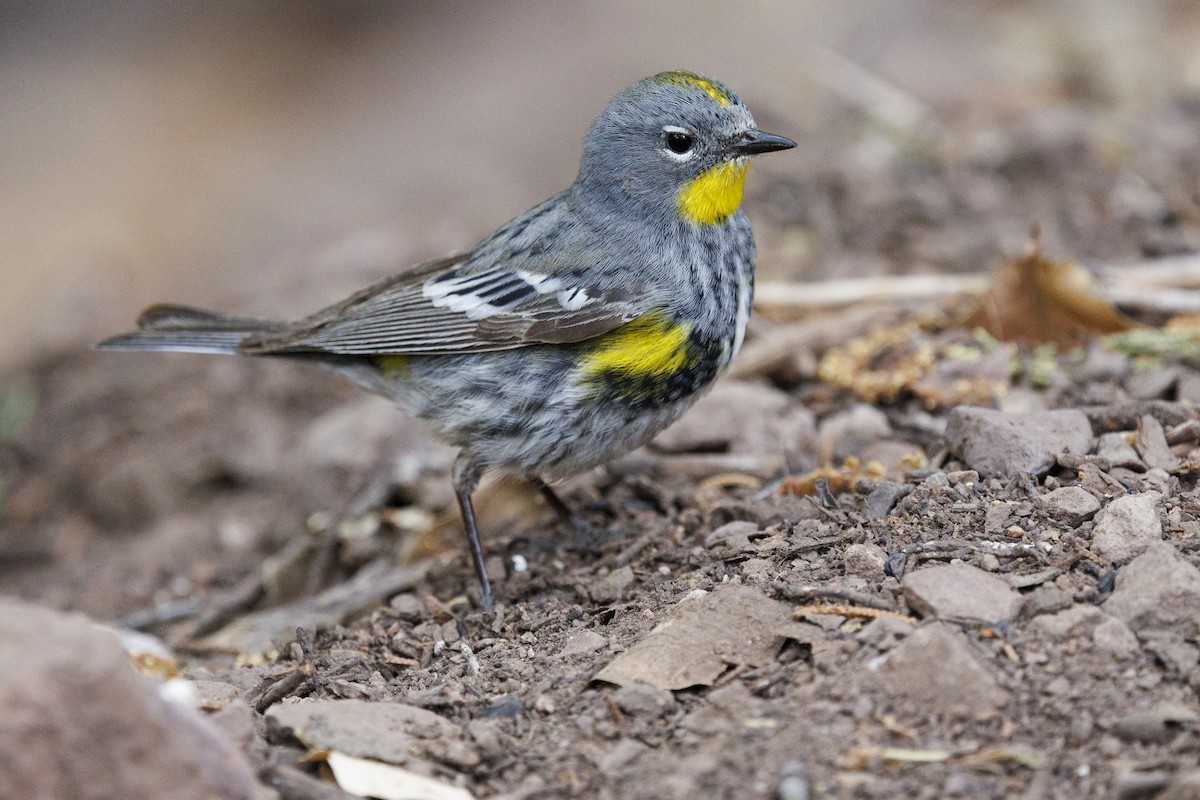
(714, 194)
(649, 346)
(392, 365)
(690, 79)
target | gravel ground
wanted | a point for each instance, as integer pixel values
(994, 599)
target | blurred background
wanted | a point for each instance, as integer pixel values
(272, 156)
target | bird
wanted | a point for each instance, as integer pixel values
(571, 335)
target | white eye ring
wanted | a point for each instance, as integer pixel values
(678, 143)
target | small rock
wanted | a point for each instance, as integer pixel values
(1045, 599)
(1158, 724)
(961, 591)
(965, 477)
(408, 607)
(1127, 526)
(884, 632)
(1188, 388)
(996, 444)
(1151, 444)
(936, 479)
(1114, 637)
(79, 722)
(1183, 785)
(964, 687)
(1152, 384)
(881, 500)
(996, 518)
(848, 433)
(866, 560)
(1158, 591)
(742, 417)
(1172, 650)
(896, 456)
(1117, 451)
(1071, 621)
(582, 643)
(391, 732)
(1071, 504)
(641, 699)
(732, 538)
(506, 706)
(612, 586)
(622, 753)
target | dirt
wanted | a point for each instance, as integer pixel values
(1057, 655)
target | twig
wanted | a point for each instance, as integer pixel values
(1166, 285)
(853, 611)
(795, 592)
(228, 605)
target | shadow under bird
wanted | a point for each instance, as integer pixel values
(571, 335)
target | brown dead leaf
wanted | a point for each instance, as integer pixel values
(838, 479)
(704, 635)
(1039, 299)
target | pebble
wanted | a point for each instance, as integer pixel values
(884, 632)
(849, 432)
(895, 455)
(965, 686)
(78, 721)
(742, 417)
(960, 591)
(732, 538)
(882, 499)
(641, 699)
(1151, 444)
(1068, 622)
(391, 732)
(1158, 591)
(1071, 504)
(1117, 451)
(998, 444)
(408, 607)
(1045, 599)
(1127, 527)
(582, 643)
(1114, 637)
(612, 586)
(865, 560)
(1172, 650)
(1152, 384)
(1157, 724)
(622, 753)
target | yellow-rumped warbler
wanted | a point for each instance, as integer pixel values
(574, 333)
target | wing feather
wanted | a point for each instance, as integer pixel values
(454, 305)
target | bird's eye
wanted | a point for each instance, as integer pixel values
(679, 142)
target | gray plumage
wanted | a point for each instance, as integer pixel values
(512, 350)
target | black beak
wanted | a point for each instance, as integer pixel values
(753, 142)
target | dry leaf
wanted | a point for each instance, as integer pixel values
(838, 479)
(390, 732)
(704, 635)
(1038, 300)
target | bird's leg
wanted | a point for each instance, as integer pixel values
(466, 474)
(587, 535)
(562, 509)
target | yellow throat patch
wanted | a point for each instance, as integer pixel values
(649, 346)
(714, 194)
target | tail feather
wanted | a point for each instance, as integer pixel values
(186, 330)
